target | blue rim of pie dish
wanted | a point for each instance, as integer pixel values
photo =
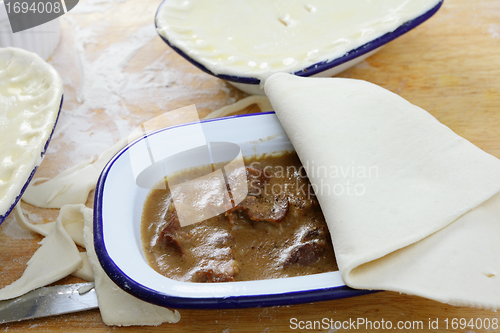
(227, 302)
(28, 181)
(323, 65)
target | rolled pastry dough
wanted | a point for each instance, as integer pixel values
(423, 213)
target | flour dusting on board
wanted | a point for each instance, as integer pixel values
(92, 6)
(11, 228)
(106, 93)
(494, 31)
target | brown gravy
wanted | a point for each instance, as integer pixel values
(277, 231)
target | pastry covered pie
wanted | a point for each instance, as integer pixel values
(257, 38)
(30, 98)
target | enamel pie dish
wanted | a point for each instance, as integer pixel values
(119, 203)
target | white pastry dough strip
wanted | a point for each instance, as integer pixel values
(118, 307)
(56, 258)
(71, 186)
(261, 101)
(71, 218)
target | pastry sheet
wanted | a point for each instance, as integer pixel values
(411, 206)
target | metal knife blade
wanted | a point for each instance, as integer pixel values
(49, 301)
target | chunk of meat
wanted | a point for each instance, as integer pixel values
(256, 206)
(318, 233)
(172, 234)
(310, 247)
(208, 275)
(310, 203)
(217, 271)
(257, 178)
(173, 224)
(260, 210)
(305, 254)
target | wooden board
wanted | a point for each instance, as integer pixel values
(118, 73)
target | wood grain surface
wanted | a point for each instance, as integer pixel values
(450, 66)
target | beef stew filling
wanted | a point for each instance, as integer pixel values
(277, 231)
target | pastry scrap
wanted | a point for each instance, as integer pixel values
(71, 217)
(426, 219)
(30, 97)
(71, 186)
(56, 258)
(118, 307)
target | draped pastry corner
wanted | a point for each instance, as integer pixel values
(428, 224)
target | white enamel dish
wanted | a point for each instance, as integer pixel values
(117, 217)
